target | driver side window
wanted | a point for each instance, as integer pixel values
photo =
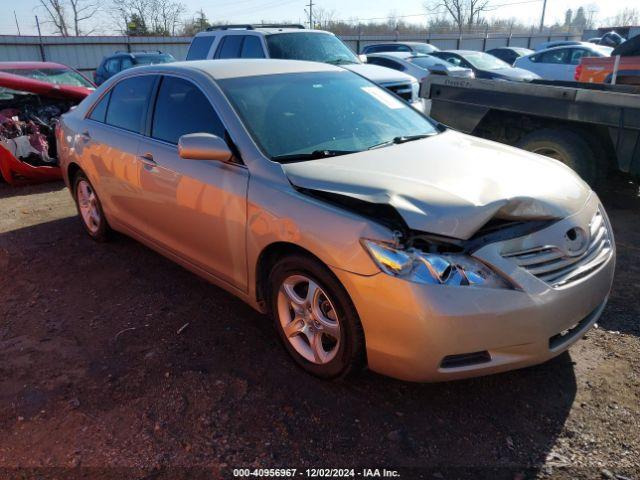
(182, 108)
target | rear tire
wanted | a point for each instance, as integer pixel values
(321, 331)
(566, 146)
(90, 209)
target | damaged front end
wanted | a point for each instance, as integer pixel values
(428, 258)
(29, 112)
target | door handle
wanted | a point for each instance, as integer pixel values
(147, 159)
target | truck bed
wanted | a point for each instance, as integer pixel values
(491, 108)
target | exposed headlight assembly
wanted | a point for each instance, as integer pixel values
(433, 268)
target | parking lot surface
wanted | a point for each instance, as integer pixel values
(115, 361)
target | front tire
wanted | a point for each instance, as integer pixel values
(90, 208)
(315, 318)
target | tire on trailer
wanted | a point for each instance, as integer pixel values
(566, 146)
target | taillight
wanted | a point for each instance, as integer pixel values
(578, 73)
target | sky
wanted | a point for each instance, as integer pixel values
(247, 11)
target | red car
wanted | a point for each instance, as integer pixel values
(33, 95)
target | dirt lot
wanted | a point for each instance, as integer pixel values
(114, 362)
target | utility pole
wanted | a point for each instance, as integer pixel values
(544, 8)
(42, 55)
(310, 14)
(17, 24)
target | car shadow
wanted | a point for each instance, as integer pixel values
(135, 347)
(8, 191)
(621, 198)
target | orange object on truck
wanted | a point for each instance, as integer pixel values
(601, 70)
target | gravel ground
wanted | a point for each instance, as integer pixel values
(116, 363)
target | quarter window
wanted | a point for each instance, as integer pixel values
(181, 108)
(129, 101)
(252, 47)
(99, 112)
(230, 47)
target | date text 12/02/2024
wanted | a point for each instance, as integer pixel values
(316, 472)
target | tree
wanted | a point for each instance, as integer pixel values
(149, 17)
(57, 15)
(68, 16)
(197, 24)
(580, 20)
(568, 17)
(463, 13)
(626, 16)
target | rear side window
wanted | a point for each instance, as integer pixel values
(181, 108)
(99, 113)
(112, 66)
(252, 47)
(385, 62)
(230, 47)
(554, 56)
(200, 47)
(129, 102)
(578, 53)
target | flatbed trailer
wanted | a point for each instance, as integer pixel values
(593, 128)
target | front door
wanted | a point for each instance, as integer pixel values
(193, 208)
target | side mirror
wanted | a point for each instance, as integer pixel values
(363, 58)
(203, 146)
(438, 69)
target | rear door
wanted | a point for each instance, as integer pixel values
(193, 208)
(553, 64)
(110, 141)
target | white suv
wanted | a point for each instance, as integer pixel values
(294, 42)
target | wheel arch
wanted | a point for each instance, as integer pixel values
(72, 171)
(268, 258)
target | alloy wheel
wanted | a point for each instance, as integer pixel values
(88, 204)
(308, 319)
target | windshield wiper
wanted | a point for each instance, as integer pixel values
(316, 154)
(399, 140)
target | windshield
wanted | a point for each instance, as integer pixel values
(291, 116)
(58, 76)
(314, 47)
(426, 62)
(484, 61)
(153, 59)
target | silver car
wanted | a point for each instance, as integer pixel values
(370, 234)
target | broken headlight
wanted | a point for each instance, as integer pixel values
(433, 268)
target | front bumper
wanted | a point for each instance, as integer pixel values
(423, 332)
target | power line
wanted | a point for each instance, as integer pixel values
(426, 14)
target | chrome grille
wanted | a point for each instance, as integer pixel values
(550, 264)
(403, 90)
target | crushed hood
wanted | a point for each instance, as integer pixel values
(450, 184)
(377, 74)
(46, 89)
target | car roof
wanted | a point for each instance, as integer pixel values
(461, 52)
(31, 65)
(401, 55)
(245, 67)
(585, 45)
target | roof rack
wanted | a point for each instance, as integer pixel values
(230, 27)
(247, 26)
